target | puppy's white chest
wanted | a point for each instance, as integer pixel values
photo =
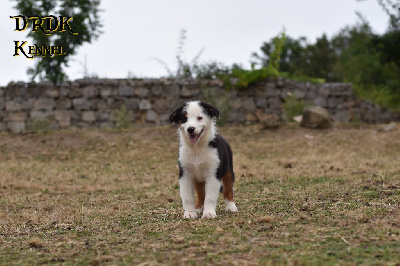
(200, 164)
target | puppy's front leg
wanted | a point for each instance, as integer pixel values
(213, 186)
(186, 185)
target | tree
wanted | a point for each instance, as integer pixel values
(392, 9)
(85, 21)
(290, 55)
(299, 58)
(320, 59)
(370, 62)
(356, 55)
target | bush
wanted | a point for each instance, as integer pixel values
(379, 94)
(293, 107)
(123, 118)
(39, 126)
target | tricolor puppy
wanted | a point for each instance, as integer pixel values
(205, 160)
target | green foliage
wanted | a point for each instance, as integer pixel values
(302, 78)
(275, 55)
(392, 9)
(290, 57)
(377, 94)
(39, 126)
(299, 58)
(123, 118)
(355, 55)
(371, 63)
(246, 78)
(85, 22)
(293, 107)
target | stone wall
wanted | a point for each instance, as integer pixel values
(97, 102)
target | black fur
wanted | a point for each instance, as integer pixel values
(180, 169)
(210, 110)
(225, 156)
(179, 114)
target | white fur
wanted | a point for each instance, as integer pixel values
(200, 162)
(230, 206)
(212, 192)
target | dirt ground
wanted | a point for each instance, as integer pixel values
(112, 197)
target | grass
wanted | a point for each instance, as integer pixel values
(294, 107)
(111, 197)
(39, 126)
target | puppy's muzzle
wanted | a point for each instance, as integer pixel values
(193, 137)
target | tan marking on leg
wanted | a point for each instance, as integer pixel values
(201, 193)
(227, 182)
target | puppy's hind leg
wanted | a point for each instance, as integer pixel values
(227, 181)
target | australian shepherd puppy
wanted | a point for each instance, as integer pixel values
(205, 160)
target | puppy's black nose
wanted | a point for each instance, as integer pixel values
(190, 130)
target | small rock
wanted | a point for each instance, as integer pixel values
(389, 127)
(310, 137)
(298, 118)
(151, 116)
(144, 105)
(316, 117)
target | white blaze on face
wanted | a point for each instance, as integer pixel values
(196, 121)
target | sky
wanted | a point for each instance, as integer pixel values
(137, 34)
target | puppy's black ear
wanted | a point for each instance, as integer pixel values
(177, 114)
(210, 110)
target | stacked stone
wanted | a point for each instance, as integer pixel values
(263, 97)
(97, 102)
(338, 98)
(92, 102)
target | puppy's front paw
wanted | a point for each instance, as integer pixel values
(190, 215)
(200, 210)
(210, 214)
(230, 207)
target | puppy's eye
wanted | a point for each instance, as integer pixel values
(199, 118)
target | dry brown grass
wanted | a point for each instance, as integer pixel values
(112, 197)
